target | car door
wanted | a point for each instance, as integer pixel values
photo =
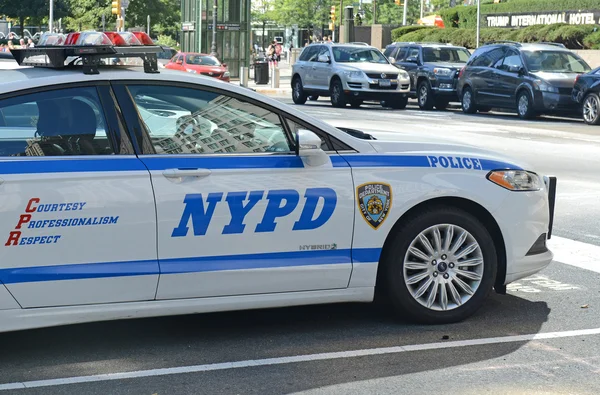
(322, 70)
(177, 63)
(411, 64)
(508, 78)
(483, 76)
(77, 208)
(239, 212)
(309, 68)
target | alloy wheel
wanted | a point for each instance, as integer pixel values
(466, 101)
(423, 95)
(523, 105)
(443, 267)
(591, 108)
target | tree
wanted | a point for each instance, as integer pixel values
(388, 12)
(24, 9)
(165, 16)
(87, 15)
(263, 12)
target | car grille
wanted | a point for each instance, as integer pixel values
(387, 88)
(355, 85)
(378, 76)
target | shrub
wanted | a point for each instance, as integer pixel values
(401, 31)
(592, 41)
(571, 36)
(416, 36)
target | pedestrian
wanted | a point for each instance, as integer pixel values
(30, 43)
(271, 55)
(10, 45)
(278, 50)
(22, 43)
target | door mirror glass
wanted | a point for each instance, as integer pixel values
(392, 60)
(323, 59)
(515, 69)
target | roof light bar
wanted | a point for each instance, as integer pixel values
(91, 47)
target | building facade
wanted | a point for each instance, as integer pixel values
(233, 30)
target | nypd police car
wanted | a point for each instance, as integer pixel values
(133, 193)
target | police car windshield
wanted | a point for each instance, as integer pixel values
(448, 55)
(554, 62)
(202, 60)
(358, 55)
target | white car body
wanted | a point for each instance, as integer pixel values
(132, 266)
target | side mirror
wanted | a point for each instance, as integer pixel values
(224, 64)
(309, 148)
(412, 59)
(179, 62)
(392, 60)
(323, 59)
(516, 69)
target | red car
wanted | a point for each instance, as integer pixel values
(199, 63)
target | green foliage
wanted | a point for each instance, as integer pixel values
(592, 41)
(167, 41)
(574, 37)
(31, 10)
(165, 16)
(86, 15)
(408, 29)
(466, 17)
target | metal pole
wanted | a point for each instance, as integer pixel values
(123, 19)
(103, 23)
(374, 12)
(148, 27)
(422, 5)
(405, 10)
(51, 17)
(213, 47)
(478, 22)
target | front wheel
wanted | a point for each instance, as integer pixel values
(398, 104)
(425, 96)
(591, 109)
(525, 105)
(338, 99)
(440, 266)
(298, 94)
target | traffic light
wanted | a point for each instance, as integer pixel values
(116, 7)
(398, 2)
(332, 15)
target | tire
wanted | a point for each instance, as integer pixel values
(468, 101)
(591, 109)
(410, 288)
(525, 105)
(425, 96)
(313, 97)
(398, 104)
(298, 94)
(338, 99)
(356, 103)
(441, 104)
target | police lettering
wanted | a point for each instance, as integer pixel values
(455, 162)
(199, 210)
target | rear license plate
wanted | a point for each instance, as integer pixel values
(385, 83)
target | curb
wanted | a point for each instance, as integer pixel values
(274, 91)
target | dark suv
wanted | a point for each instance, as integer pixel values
(529, 78)
(433, 70)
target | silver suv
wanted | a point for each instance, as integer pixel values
(348, 74)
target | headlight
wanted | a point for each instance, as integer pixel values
(354, 74)
(545, 87)
(442, 72)
(516, 180)
(403, 75)
(226, 74)
(191, 71)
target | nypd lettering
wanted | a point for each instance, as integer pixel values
(199, 210)
(454, 162)
(374, 201)
(34, 207)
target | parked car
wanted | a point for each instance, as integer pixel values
(532, 79)
(166, 56)
(433, 70)
(586, 92)
(199, 63)
(348, 74)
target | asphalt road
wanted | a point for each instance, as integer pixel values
(541, 338)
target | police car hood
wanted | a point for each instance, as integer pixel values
(416, 145)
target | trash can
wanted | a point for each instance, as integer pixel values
(261, 72)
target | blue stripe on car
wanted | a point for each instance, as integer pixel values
(188, 265)
(112, 164)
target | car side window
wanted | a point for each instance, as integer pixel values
(489, 59)
(413, 53)
(54, 123)
(193, 121)
(314, 53)
(401, 54)
(324, 50)
(512, 59)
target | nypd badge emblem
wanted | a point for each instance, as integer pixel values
(374, 201)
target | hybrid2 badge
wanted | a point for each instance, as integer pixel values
(374, 201)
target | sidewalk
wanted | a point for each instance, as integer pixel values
(285, 78)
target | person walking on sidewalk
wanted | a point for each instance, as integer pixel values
(271, 54)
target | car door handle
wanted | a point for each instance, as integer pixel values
(179, 173)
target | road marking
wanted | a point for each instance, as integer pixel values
(544, 283)
(295, 359)
(575, 253)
